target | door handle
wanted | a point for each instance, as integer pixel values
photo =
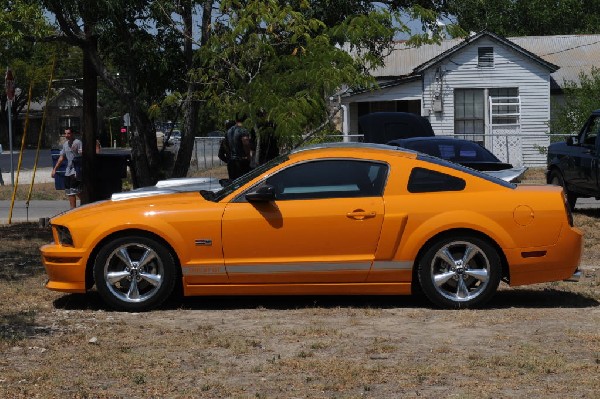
(359, 214)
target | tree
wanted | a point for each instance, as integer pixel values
(579, 101)
(527, 17)
(30, 62)
(282, 58)
(114, 38)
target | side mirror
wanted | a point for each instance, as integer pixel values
(264, 193)
(573, 140)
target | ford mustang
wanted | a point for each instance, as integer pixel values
(329, 219)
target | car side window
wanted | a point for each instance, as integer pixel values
(423, 180)
(591, 132)
(335, 178)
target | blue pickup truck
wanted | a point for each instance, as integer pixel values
(574, 164)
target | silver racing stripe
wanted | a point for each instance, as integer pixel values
(299, 267)
(296, 267)
(203, 270)
(392, 265)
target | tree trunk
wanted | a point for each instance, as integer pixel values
(190, 106)
(90, 117)
(144, 152)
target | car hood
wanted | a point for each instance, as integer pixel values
(171, 186)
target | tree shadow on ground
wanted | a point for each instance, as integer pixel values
(20, 250)
(509, 298)
(16, 327)
(18, 265)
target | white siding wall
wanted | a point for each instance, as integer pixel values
(511, 69)
(408, 91)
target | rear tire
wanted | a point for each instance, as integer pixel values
(134, 273)
(460, 272)
(557, 179)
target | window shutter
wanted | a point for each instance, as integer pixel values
(485, 57)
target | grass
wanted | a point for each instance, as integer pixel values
(40, 191)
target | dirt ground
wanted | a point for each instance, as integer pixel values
(534, 341)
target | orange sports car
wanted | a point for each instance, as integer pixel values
(330, 219)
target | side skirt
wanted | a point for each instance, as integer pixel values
(299, 289)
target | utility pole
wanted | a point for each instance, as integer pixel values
(9, 84)
(90, 116)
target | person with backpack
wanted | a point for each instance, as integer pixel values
(240, 150)
(224, 153)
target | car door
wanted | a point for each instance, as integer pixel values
(322, 227)
(587, 165)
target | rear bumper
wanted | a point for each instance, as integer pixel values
(555, 263)
(575, 277)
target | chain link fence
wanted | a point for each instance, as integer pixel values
(518, 149)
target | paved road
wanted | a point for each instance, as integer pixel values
(44, 161)
(34, 212)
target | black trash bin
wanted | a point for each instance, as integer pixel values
(59, 176)
(111, 170)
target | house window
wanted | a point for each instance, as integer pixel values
(69, 121)
(485, 57)
(469, 114)
(505, 107)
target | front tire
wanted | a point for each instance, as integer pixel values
(460, 272)
(134, 273)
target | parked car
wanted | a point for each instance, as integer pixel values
(172, 186)
(464, 152)
(330, 219)
(381, 127)
(574, 163)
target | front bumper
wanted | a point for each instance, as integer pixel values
(65, 267)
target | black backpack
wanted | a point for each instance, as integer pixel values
(224, 150)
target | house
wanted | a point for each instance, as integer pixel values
(487, 88)
(64, 109)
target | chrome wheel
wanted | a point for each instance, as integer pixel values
(462, 271)
(134, 273)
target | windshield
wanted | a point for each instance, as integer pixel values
(240, 181)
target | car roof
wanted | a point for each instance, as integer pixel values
(436, 138)
(356, 146)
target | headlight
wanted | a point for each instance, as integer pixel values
(64, 236)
